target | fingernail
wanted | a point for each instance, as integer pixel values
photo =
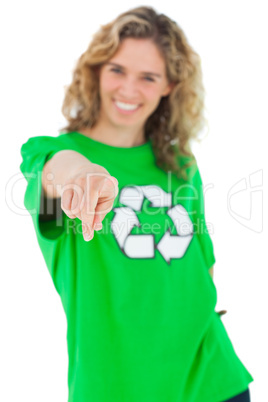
(98, 226)
(87, 236)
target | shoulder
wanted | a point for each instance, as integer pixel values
(188, 164)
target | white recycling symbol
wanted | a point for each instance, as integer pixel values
(143, 245)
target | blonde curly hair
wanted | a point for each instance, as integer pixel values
(179, 116)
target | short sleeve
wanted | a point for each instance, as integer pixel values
(201, 228)
(35, 153)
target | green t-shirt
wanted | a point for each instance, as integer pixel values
(138, 298)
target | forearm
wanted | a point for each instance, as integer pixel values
(58, 169)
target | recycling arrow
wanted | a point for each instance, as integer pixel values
(144, 246)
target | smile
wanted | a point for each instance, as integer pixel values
(128, 107)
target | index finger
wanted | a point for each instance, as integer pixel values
(88, 205)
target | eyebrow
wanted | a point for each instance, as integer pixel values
(143, 72)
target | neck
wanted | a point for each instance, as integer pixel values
(115, 136)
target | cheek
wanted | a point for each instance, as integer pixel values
(107, 84)
(153, 95)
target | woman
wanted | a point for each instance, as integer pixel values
(130, 255)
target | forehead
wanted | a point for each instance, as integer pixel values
(139, 54)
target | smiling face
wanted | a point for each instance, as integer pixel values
(132, 83)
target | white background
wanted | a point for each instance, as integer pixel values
(41, 42)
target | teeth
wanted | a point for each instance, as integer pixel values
(126, 106)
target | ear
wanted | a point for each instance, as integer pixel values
(168, 89)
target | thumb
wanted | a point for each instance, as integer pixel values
(109, 187)
(107, 195)
(221, 312)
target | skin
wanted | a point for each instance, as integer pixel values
(211, 272)
(136, 75)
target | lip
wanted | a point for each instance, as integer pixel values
(126, 111)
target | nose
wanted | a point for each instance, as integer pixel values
(128, 89)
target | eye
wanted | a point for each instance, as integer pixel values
(148, 78)
(116, 70)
